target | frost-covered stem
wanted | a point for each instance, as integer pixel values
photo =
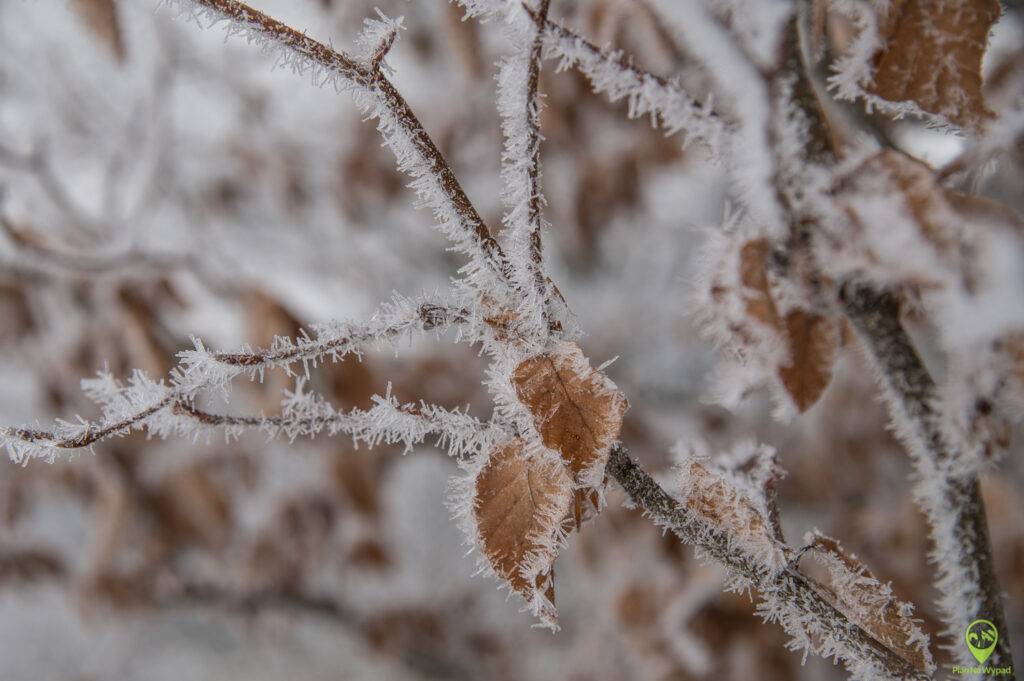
(519, 105)
(853, 645)
(771, 499)
(90, 434)
(533, 130)
(135, 405)
(428, 316)
(388, 421)
(616, 75)
(947, 492)
(408, 128)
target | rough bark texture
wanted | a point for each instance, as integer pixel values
(913, 392)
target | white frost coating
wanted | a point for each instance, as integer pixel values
(396, 320)
(462, 499)
(865, 599)
(307, 414)
(810, 635)
(520, 123)
(375, 102)
(938, 491)
(965, 259)
(758, 25)
(375, 40)
(139, 402)
(723, 507)
(751, 161)
(999, 135)
(303, 414)
(751, 350)
(665, 102)
(611, 74)
(719, 510)
(761, 465)
(854, 71)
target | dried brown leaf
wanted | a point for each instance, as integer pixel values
(519, 504)
(101, 18)
(757, 294)
(812, 339)
(576, 409)
(871, 604)
(933, 56)
(722, 506)
(813, 346)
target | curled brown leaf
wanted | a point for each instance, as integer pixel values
(578, 413)
(871, 604)
(813, 346)
(576, 409)
(519, 504)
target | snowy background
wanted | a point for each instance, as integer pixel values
(158, 182)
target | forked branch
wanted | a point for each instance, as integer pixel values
(417, 154)
(784, 588)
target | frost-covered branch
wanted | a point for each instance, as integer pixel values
(519, 105)
(307, 414)
(26, 443)
(417, 154)
(616, 75)
(947, 487)
(202, 369)
(333, 340)
(141, 402)
(788, 597)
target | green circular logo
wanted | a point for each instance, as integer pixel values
(981, 637)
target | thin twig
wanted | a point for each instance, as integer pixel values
(388, 421)
(387, 97)
(618, 76)
(533, 127)
(429, 316)
(532, 113)
(201, 370)
(92, 433)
